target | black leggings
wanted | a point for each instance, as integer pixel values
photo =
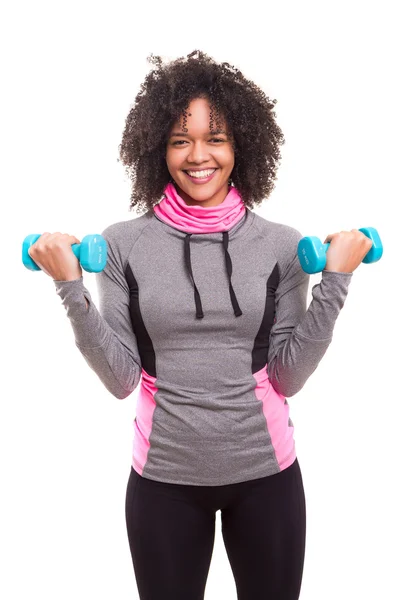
(171, 529)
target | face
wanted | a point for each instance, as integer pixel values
(197, 149)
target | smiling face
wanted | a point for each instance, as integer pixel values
(196, 149)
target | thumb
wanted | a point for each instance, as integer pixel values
(329, 237)
(73, 240)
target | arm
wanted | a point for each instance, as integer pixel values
(300, 337)
(105, 337)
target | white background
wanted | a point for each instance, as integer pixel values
(70, 72)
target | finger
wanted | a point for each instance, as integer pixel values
(50, 236)
(36, 244)
(330, 237)
(361, 234)
(74, 239)
(43, 236)
(63, 238)
(70, 239)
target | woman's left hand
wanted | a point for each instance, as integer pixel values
(346, 250)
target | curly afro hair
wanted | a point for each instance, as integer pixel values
(165, 96)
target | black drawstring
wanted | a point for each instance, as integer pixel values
(228, 263)
(197, 299)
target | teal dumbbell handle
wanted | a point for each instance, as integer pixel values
(91, 252)
(312, 252)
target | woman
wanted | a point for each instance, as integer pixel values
(203, 303)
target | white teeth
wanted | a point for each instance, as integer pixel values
(201, 174)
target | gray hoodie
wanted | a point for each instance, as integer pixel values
(217, 337)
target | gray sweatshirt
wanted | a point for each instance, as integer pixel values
(217, 337)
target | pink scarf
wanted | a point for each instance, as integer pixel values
(174, 211)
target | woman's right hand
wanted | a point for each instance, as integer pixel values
(52, 252)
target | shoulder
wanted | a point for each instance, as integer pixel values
(135, 226)
(283, 241)
(127, 232)
(122, 236)
(284, 238)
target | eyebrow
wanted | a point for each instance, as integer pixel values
(214, 132)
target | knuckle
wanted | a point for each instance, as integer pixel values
(365, 238)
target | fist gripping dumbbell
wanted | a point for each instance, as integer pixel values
(91, 252)
(312, 252)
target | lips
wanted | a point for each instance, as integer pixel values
(202, 180)
(198, 170)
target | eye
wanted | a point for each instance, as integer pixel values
(183, 141)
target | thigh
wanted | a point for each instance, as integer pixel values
(171, 539)
(264, 534)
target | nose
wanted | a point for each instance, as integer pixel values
(198, 152)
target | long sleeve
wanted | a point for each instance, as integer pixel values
(300, 336)
(105, 337)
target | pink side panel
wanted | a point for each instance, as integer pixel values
(276, 414)
(143, 422)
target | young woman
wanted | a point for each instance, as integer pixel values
(203, 303)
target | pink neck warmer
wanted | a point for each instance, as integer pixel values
(174, 211)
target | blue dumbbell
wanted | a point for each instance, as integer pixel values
(312, 252)
(91, 252)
